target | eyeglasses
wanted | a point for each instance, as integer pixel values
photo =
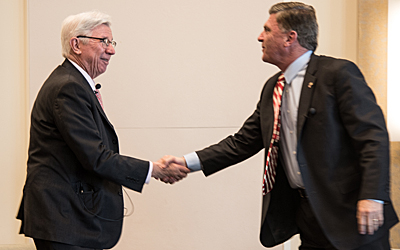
(104, 41)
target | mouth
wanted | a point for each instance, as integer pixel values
(105, 60)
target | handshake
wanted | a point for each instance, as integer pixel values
(170, 169)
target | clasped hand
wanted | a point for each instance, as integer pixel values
(170, 169)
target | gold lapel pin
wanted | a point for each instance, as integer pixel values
(310, 84)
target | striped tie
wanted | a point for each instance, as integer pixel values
(272, 156)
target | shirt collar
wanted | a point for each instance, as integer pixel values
(296, 66)
(85, 74)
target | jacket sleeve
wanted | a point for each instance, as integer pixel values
(234, 148)
(365, 124)
(74, 111)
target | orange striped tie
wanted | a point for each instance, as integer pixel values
(272, 156)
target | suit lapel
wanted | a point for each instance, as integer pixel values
(101, 110)
(307, 91)
(86, 85)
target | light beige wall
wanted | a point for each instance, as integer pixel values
(186, 74)
(372, 56)
(14, 112)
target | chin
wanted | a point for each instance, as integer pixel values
(101, 71)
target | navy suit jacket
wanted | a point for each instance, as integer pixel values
(73, 191)
(342, 151)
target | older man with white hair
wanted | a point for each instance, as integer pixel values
(73, 197)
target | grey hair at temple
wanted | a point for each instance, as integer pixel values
(81, 25)
(298, 17)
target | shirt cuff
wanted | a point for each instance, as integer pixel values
(149, 173)
(379, 201)
(193, 161)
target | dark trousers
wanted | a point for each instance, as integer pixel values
(313, 238)
(51, 245)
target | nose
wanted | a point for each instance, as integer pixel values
(260, 37)
(110, 49)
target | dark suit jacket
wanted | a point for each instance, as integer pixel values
(73, 189)
(342, 151)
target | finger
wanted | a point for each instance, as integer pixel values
(370, 225)
(165, 179)
(185, 170)
(172, 180)
(376, 224)
(182, 174)
(361, 224)
(169, 159)
(169, 179)
(181, 168)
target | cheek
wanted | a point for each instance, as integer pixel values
(271, 44)
(99, 63)
(101, 66)
(266, 41)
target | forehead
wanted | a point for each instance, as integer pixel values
(271, 22)
(102, 31)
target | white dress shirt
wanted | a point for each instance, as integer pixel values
(294, 77)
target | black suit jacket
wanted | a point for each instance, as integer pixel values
(73, 189)
(342, 151)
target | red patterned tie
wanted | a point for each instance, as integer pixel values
(98, 95)
(272, 156)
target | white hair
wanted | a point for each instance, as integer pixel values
(80, 25)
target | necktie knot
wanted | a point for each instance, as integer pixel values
(281, 78)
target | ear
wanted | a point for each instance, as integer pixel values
(75, 45)
(291, 37)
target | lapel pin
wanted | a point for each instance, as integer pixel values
(310, 84)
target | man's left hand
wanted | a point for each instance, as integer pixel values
(369, 216)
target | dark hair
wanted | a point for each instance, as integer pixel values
(300, 18)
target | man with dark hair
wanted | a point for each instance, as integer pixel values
(325, 139)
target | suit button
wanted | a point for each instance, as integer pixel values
(312, 111)
(114, 141)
